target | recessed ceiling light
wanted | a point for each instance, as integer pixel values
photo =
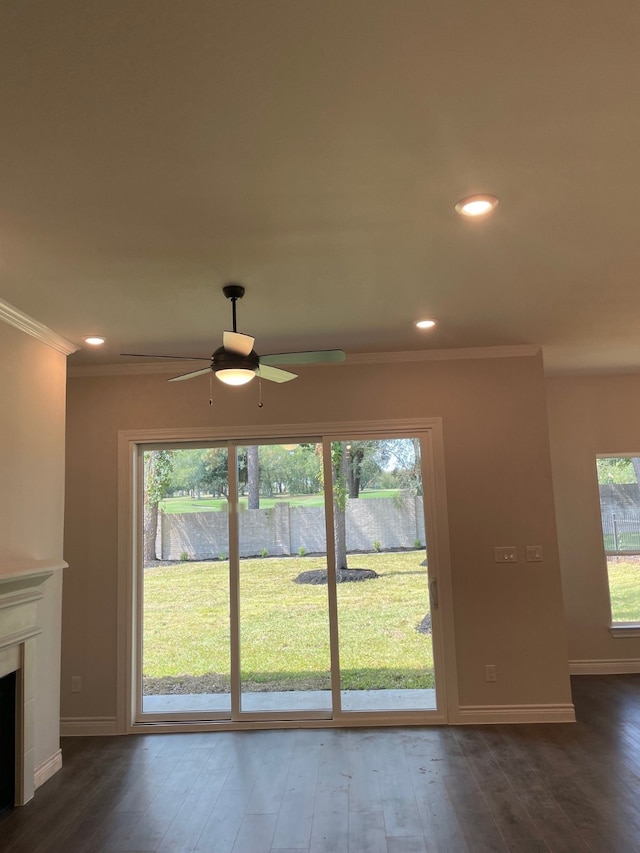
(94, 340)
(476, 205)
(425, 324)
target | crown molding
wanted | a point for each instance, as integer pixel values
(129, 369)
(17, 318)
(521, 350)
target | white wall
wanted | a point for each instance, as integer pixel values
(587, 416)
(499, 492)
(32, 425)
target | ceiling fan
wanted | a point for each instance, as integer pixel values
(236, 362)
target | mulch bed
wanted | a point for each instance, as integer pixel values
(319, 576)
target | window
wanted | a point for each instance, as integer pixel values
(618, 485)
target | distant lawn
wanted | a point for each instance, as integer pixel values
(207, 504)
(284, 626)
(624, 588)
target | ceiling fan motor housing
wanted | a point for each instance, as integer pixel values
(222, 359)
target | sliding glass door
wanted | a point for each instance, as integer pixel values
(245, 613)
(384, 615)
(285, 664)
(184, 588)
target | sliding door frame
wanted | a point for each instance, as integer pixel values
(130, 443)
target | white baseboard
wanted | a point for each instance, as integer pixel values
(499, 714)
(604, 667)
(47, 769)
(87, 726)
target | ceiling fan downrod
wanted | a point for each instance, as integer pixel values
(233, 292)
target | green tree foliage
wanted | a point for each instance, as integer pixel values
(188, 470)
(616, 469)
(158, 470)
(340, 469)
(215, 476)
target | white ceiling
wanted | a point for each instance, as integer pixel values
(313, 150)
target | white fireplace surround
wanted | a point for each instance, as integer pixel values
(20, 591)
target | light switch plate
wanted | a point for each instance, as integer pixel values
(505, 554)
(534, 553)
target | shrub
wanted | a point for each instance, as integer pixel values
(377, 546)
(222, 556)
(264, 553)
(302, 551)
(184, 556)
(417, 544)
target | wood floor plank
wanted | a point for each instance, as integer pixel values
(407, 845)
(366, 833)
(560, 787)
(221, 829)
(190, 820)
(330, 823)
(364, 776)
(255, 833)
(440, 824)
(295, 819)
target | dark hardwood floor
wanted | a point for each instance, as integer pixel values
(562, 788)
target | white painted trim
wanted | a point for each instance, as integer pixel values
(49, 767)
(144, 367)
(499, 714)
(17, 318)
(620, 630)
(128, 715)
(83, 726)
(239, 433)
(518, 351)
(621, 666)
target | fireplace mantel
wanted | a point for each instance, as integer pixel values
(20, 591)
(19, 574)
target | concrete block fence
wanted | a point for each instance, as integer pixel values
(284, 529)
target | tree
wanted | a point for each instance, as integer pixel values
(617, 469)
(253, 476)
(214, 471)
(366, 461)
(188, 470)
(340, 468)
(158, 465)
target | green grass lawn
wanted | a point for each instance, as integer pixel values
(208, 503)
(284, 626)
(624, 588)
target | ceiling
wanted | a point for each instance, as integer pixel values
(153, 150)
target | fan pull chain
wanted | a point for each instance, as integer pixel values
(260, 403)
(211, 388)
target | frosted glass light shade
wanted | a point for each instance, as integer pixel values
(235, 375)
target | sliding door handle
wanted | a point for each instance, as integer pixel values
(433, 592)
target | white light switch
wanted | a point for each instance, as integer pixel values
(534, 553)
(505, 554)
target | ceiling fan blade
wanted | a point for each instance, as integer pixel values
(190, 375)
(237, 342)
(274, 374)
(185, 357)
(321, 356)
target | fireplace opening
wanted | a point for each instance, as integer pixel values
(7, 743)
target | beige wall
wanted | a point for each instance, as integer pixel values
(587, 416)
(32, 421)
(499, 493)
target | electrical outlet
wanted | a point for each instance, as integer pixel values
(76, 684)
(505, 554)
(490, 673)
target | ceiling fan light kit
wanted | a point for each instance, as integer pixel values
(237, 363)
(234, 369)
